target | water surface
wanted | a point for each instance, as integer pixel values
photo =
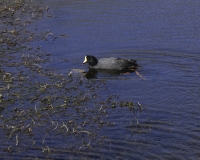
(163, 36)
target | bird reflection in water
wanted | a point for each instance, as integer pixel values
(93, 73)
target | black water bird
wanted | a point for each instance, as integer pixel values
(110, 63)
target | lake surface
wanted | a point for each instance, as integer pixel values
(164, 38)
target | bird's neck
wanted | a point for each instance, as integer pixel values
(93, 63)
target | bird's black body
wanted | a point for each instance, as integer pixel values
(110, 63)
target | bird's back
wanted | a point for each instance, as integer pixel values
(115, 63)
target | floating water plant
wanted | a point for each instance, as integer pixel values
(40, 107)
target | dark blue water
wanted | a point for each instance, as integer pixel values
(163, 36)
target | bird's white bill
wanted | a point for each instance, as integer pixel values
(85, 60)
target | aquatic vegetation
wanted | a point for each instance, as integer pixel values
(40, 105)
